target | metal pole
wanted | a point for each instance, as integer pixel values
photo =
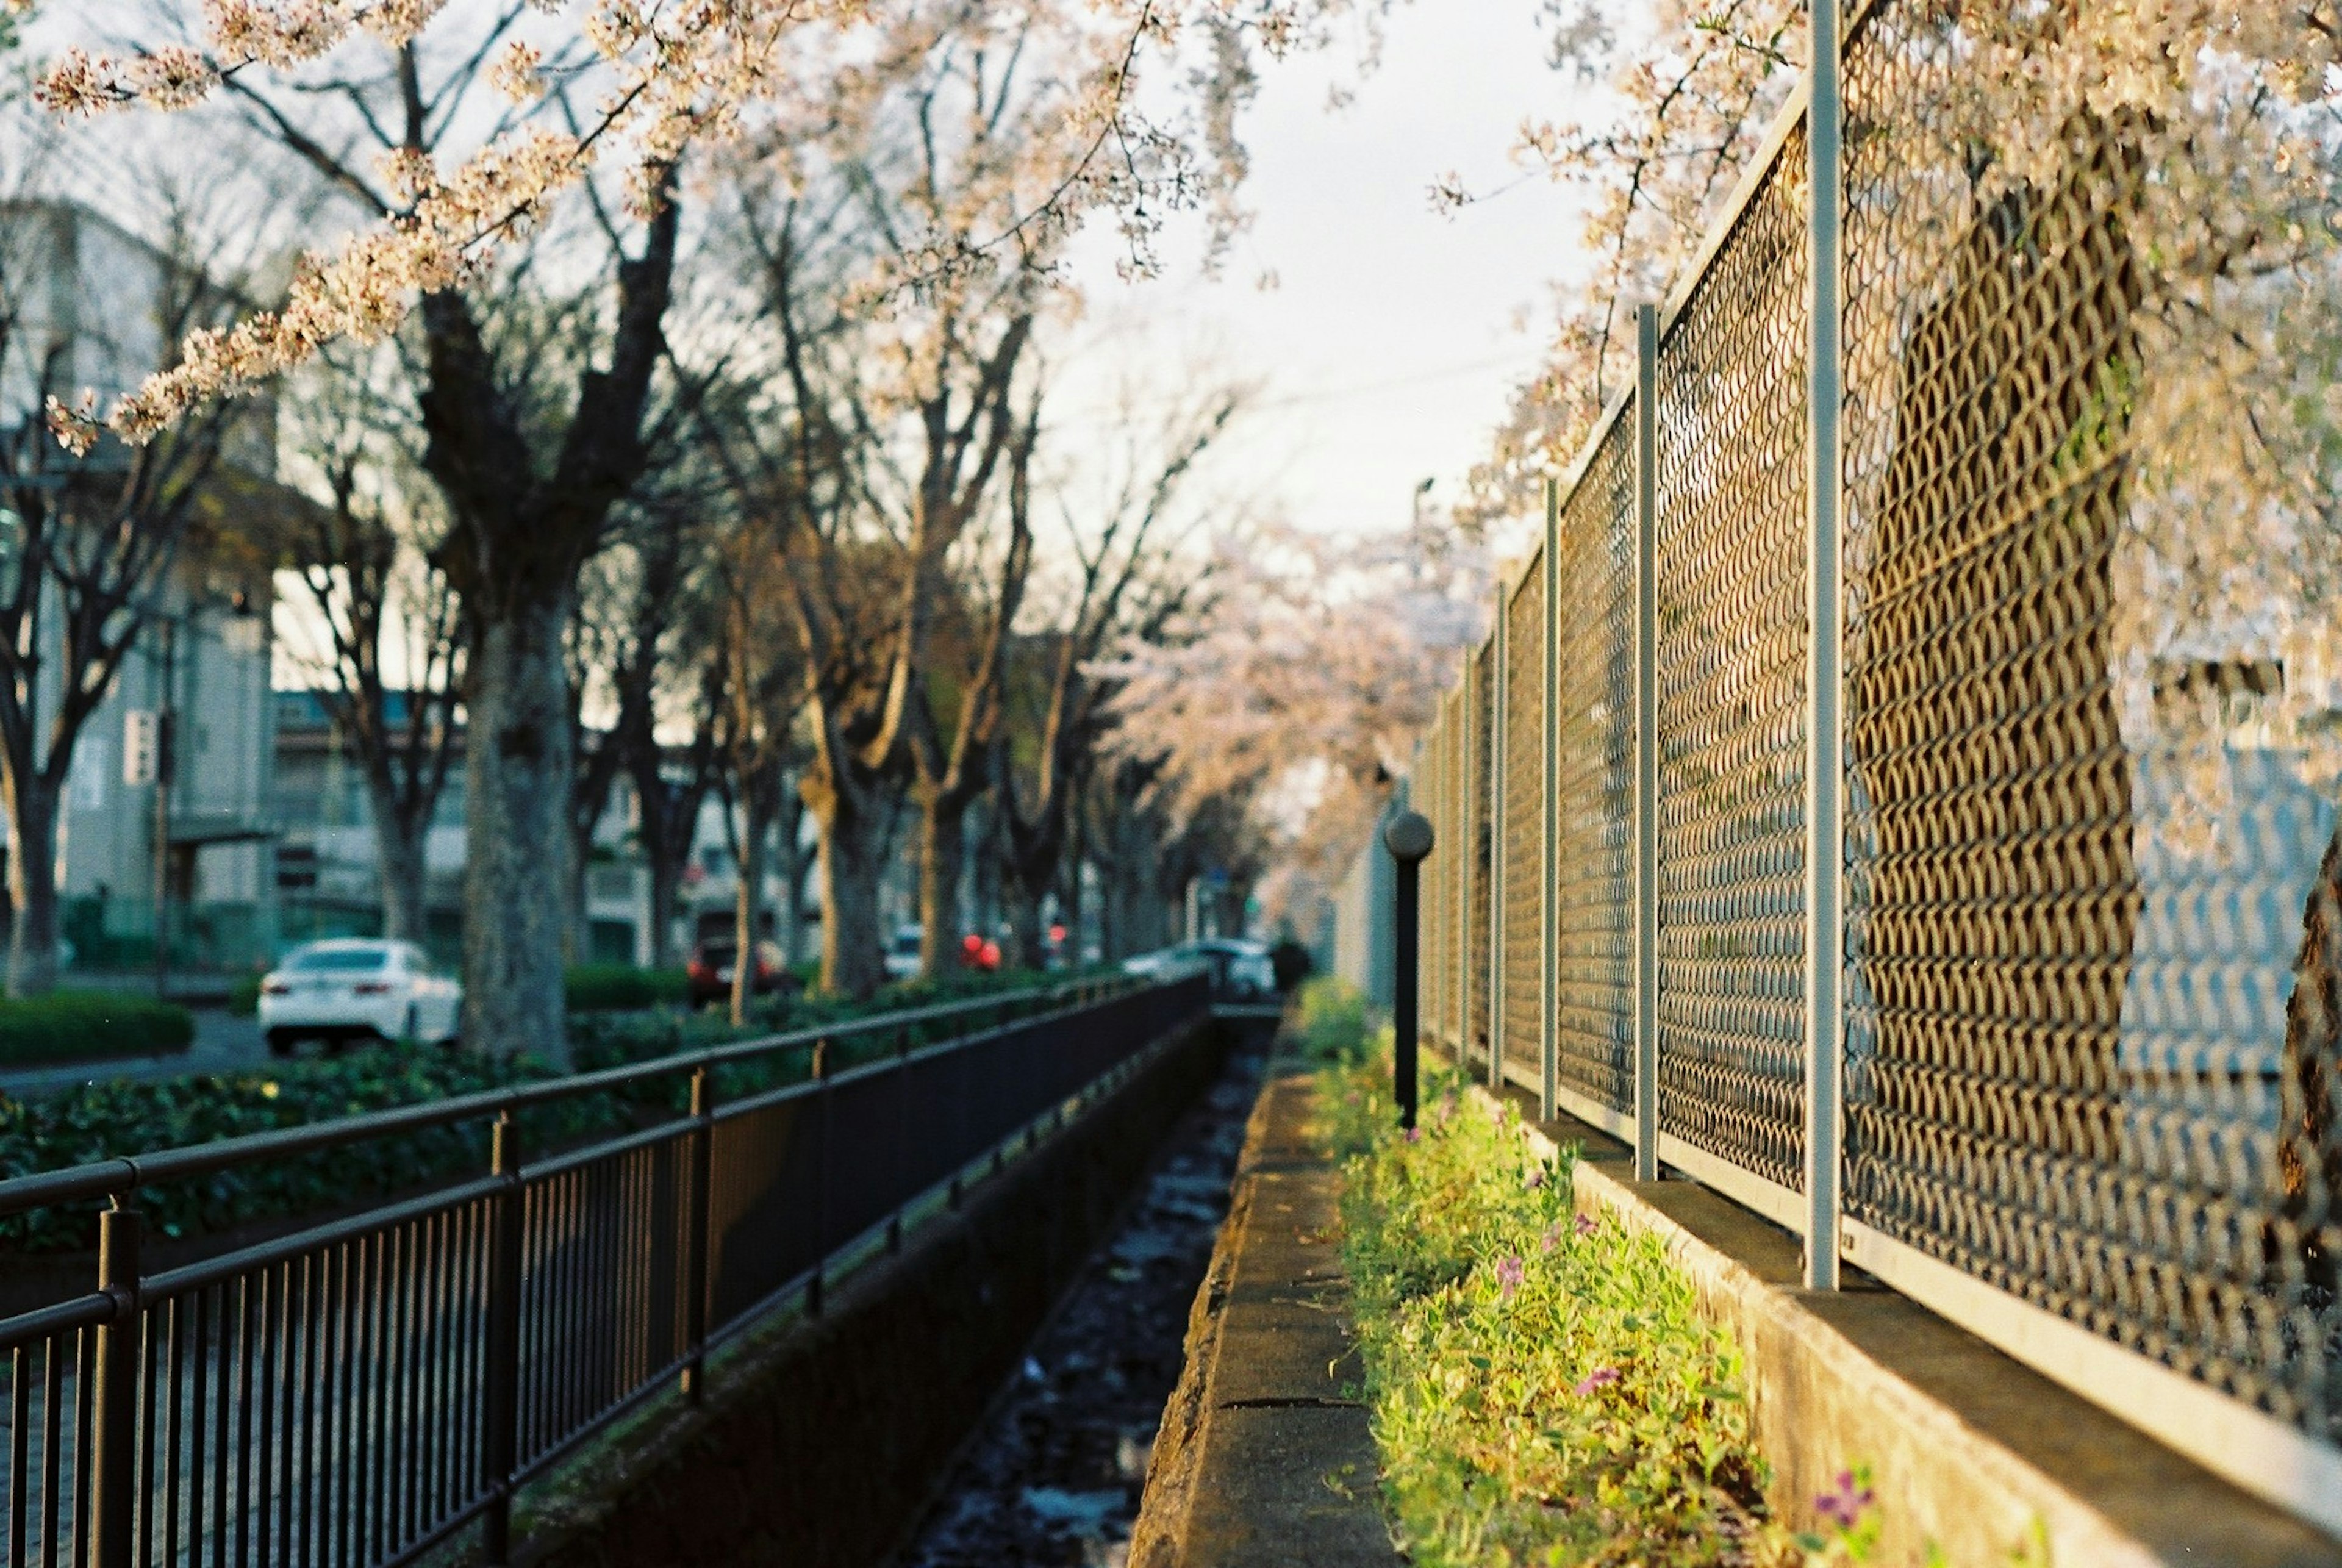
(164, 722)
(1500, 697)
(1647, 744)
(1408, 837)
(501, 1437)
(697, 1239)
(1825, 749)
(113, 1500)
(815, 1283)
(1549, 822)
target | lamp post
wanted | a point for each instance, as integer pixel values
(1408, 837)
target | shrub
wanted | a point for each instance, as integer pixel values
(622, 987)
(98, 1120)
(244, 995)
(1330, 1019)
(1542, 1388)
(84, 1025)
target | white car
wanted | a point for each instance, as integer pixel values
(351, 989)
(902, 958)
(1238, 967)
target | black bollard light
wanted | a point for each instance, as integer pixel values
(1408, 837)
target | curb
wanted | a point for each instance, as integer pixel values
(1265, 1458)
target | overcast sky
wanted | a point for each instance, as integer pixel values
(1393, 334)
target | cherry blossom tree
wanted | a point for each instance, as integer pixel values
(1119, 576)
(1300, 687)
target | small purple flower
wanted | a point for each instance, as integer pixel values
(1535, 1179)
(1600, 1377)
(1552, 1234)
(1415, 1135)
(1584, 1224)
(1844, 1505)
(1508, 1274)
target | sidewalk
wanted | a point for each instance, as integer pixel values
(1263, 1457)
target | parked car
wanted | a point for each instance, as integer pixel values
(710, 970)
(355, 989)
(902, 957)
(1240, 968)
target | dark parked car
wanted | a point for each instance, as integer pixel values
(711, 971)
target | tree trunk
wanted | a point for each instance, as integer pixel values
(852, 855)
(517, 810)
(1028, 949)
(749, 902)
(400, 862)
(33, 886)
(666, 881)
(788, 824)
(943, 854)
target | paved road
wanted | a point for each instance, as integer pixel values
(224, 1043)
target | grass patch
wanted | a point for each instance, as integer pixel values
(1541, 1387)
(89, 1025)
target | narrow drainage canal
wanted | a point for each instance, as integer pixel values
(1054, 1478)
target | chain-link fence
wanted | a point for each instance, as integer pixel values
(2091, 943)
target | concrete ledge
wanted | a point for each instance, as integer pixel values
(1973, 1450)
(1263, 1457)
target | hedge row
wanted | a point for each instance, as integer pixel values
(99, 1121)
(84, 1025)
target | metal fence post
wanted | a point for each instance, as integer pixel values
(1825, 748)
(698, 1244)
(1647, 744)
(1408, 836)
(113, 1500)
(500, 1457)
(813, 1295)
(1500, 697)
(902, 1076)
(1549, 822)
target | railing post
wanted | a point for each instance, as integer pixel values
(113, 1500)
(813, 1296)
(1825, 748)
(902, 1134)
(1500, 694)
(1408, 837)
(1549, 822)
(1647, 744)
(698, 1244)
(501, 1438)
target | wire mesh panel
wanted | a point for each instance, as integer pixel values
(1593, 892)
(1456, 882)
(1480, 831)
(1438, 931)
(2089, 1059)
(1522, 863)
(1731, 416)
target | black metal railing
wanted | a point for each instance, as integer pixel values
(361, 1390)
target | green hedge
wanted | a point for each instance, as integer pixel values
(100, 1121)
(622, 987)
(88, 1026)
